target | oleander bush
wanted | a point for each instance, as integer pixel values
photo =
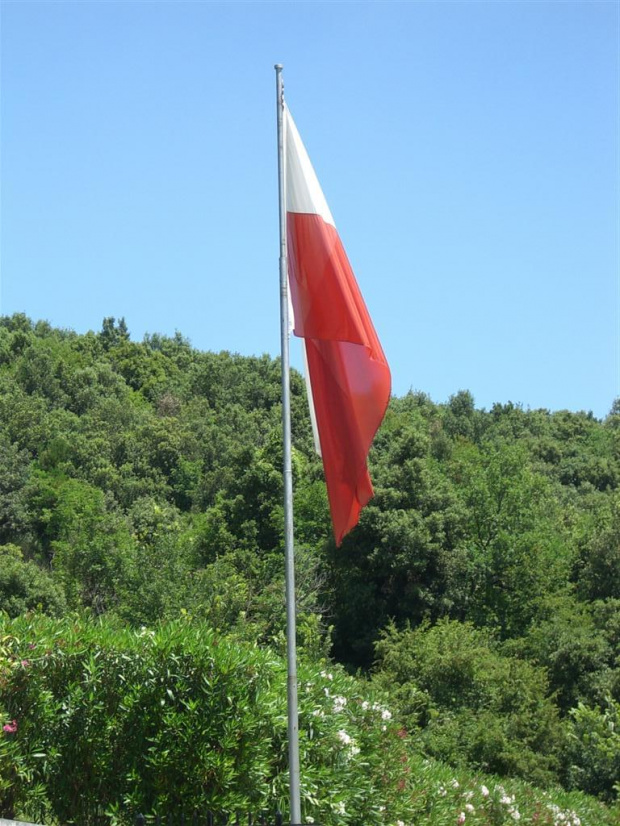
(99, 722)
(102, 720)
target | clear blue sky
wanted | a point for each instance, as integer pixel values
(469, 152)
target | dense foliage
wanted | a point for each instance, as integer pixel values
(118, 722)
(105, 722)
(142, 481)
(473, 705)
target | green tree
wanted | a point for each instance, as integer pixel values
(24, 586)
(517, 548)
(593, 751)
(597, 569)
(471, 703)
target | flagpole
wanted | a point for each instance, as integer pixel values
(291, 654)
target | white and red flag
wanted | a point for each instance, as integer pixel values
(347, 374)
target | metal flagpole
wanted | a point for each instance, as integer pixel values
(291, 654)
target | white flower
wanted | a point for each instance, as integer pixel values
(507, 800)
(326, 690)
(339, 808)
(365, 705)
(318, 712)
(461, 819)
(386, 715)
(442, 792)
(309, 819)
(399, 823)
(383, 728)
(327, 676)
(468, 795)
(339, 703)
(455, 784)
(469, 808)
(515, 814)
(484, 791)
(381, 808)
(347, 740)
(344, 737)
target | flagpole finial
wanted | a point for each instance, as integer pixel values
(280, 84)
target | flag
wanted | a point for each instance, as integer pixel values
(347, 375)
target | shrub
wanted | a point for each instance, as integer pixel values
(113, 721)
(24, 586)
(593, 753)
(472, 704)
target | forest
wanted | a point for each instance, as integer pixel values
(472, 617)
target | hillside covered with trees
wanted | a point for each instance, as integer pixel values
(140, 483)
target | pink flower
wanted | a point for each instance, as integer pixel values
(11, 727)
(25, 663)
(461, 819)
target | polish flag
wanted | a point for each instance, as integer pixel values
(347, 375)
